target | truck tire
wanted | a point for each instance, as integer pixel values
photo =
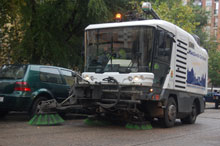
(170, 113)
(216, 105)
(35, 106)
(191, 118)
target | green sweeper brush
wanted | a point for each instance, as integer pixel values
(46, 119)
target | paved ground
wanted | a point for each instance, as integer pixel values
(14, 131)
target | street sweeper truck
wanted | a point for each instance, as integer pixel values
(140, 70)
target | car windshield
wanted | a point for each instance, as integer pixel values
(12, 71)
(124, 49)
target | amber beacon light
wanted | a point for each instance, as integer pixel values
(118, 17)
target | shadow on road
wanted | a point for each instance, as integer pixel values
(15, 116)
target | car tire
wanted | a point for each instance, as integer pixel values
(35, 107)
(216, 105)
(170, 113)
(191, 118)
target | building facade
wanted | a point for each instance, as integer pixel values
(213, 26)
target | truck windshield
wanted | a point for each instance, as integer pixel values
(124, 49)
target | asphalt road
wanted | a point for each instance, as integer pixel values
(15, 131)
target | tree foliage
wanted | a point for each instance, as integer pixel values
(51, 31)
(214, 67)
(176, 13)
(173, 11)
(10, 29)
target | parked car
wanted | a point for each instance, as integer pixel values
(23, 87)
(213, 97)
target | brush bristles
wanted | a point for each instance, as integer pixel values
(46, 119)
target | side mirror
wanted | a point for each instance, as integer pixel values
(171, 36)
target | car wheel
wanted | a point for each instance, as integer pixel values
(190, 119)
(35, 109)
(170, 113)
(216, 105)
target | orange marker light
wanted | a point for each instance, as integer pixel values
(157, 97)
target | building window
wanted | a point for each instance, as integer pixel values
(216, 22)
(197, 3)
(216, 8)
(216, 5)
(208, 3)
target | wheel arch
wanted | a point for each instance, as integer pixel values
(41, 93)
(198, 106)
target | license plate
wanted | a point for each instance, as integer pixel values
(1, 99)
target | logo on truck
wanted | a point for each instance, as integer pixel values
(196, 75)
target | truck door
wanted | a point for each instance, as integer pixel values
(162, 56)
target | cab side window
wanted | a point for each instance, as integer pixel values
(165, 44)
(50, 75)
(67, 75)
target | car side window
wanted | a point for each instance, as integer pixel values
(50, 75)
(67, 75)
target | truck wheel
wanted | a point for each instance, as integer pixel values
(170, 113)
(216, 105)
(36, 105)
(191, 118)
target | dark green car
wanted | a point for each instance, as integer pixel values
(23, 87)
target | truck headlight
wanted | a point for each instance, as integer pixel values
(136, 78)
(86, 77)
